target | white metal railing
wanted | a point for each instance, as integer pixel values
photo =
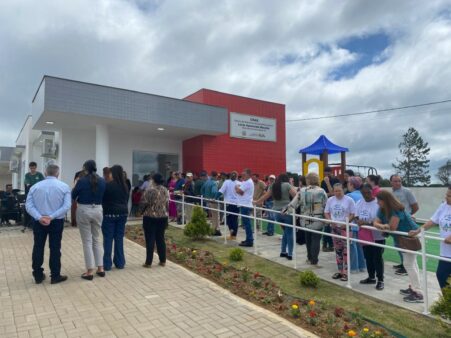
(222, 208)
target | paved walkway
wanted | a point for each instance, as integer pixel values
(269, 248)
(135, 302)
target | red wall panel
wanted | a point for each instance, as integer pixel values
(224, 153)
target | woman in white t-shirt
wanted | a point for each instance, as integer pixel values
(442, 217)
(338, 208)
(366, 213)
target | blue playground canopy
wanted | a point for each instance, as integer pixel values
(321, 145)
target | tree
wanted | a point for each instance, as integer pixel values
(414, 166)
(444, 173)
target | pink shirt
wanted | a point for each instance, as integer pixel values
(375, 190)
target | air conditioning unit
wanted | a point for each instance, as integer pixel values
(14, 165)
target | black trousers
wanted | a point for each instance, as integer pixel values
(154, 229)
(374, 260)
(55, 233)
(327, 240)
(313, 244)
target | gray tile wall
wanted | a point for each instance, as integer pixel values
(75, 97)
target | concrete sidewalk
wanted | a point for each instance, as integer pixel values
(134, 302)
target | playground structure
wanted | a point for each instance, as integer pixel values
(323, 147)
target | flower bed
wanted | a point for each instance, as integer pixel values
(322, 319)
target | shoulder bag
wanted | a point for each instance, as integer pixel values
(410, 243)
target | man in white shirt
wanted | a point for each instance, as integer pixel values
(245, 192)
(231, 200)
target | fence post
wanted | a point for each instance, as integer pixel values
(183, 209)
(294, 239)
(255, 230)
(202, 202)
(425, 273)
(348, 256)
(225, 222)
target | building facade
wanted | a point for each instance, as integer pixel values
(74, 121)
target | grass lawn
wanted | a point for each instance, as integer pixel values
(404, 322)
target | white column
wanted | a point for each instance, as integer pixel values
(102, 147)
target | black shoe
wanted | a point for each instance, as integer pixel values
(290, 258)
(401, 272)
(247, 244)
(266, 233)
(40, 279)
(414, 297)
(368, 281)
(283, 254)
(406, 292)
(399, 266)
(58, 279)
(87, 277)
(380, 285)
(217, 233)
(100, 273)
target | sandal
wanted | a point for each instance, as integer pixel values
(344, 278)
(337, 275)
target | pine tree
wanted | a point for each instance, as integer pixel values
(444, 173)
(198, 227)
(414, 166)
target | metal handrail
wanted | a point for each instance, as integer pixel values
(346, 226)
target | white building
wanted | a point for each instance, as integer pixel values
(73, 121)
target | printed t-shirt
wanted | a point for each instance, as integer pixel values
(442, 217)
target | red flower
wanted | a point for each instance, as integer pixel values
(256, 275)
(312, 314)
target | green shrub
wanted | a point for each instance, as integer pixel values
(198, 227)
(308, 279)
(236, 254)
(442, 307)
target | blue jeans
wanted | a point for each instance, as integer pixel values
(113, 229)
(232, 220)
(443, 272)
(357, 256)
(287, 238)
(245, 211)
(271, 216)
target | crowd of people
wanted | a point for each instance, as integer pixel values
(361, 201)
(102, 208)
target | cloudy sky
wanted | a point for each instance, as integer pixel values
(320, 58)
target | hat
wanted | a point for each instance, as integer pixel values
(272, 176)
(189, 175)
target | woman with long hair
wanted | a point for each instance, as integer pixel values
(281, 191)
(155, 211)
(88, 192)
(392, 216)
(115, 210)
(374, 181)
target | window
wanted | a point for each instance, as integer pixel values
(146, 162)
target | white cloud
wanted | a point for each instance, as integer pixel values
(176, 47)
